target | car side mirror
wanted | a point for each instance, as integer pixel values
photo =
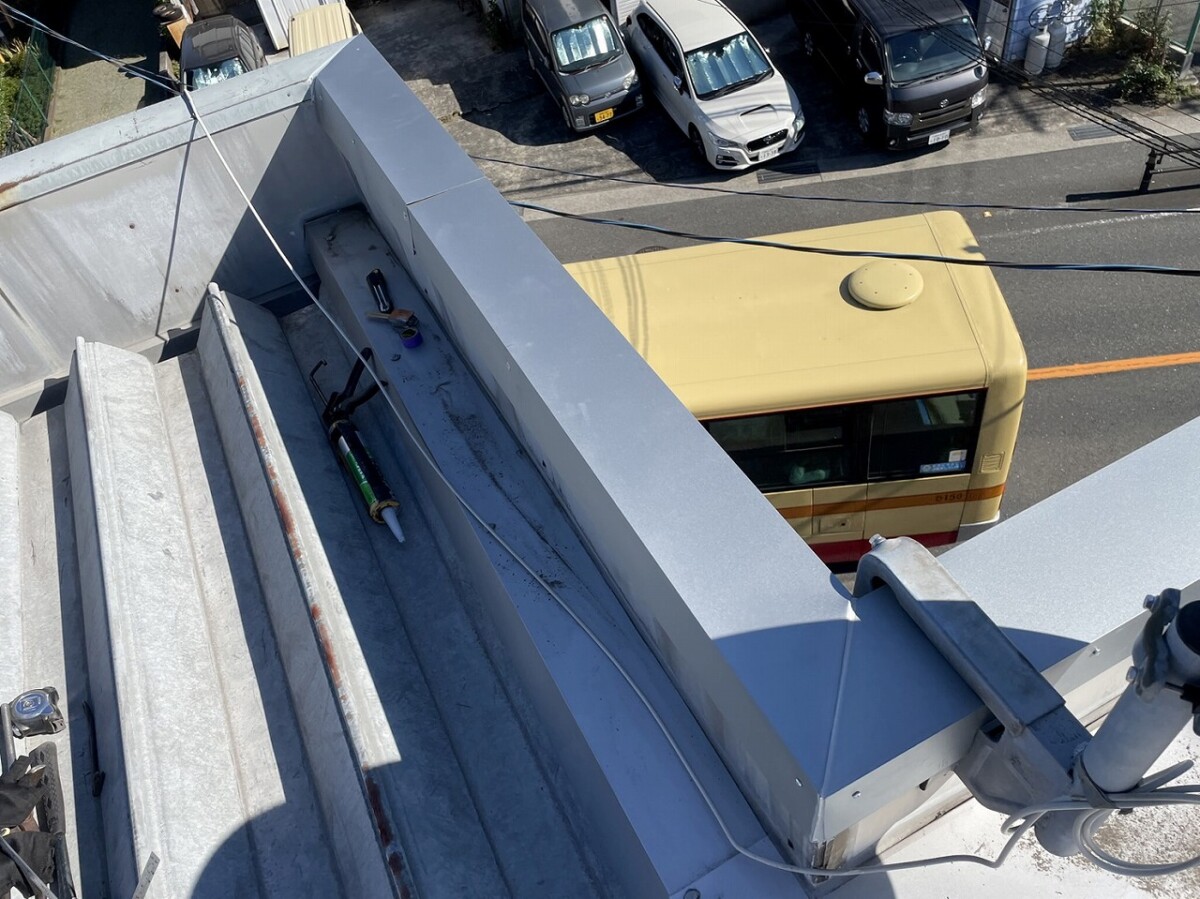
(873, 78)
(679, 85)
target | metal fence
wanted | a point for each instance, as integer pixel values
(25, 97)
(1185, 17)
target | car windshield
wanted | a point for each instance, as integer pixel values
(217, 72)
(727, 65)
(934, 51)
(585, 46)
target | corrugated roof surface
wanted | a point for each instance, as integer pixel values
(319, 27)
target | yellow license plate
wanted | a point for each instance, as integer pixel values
(603, 115)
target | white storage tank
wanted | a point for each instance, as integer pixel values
(1058, 44)
(1036, 50)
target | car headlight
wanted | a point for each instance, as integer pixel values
(630, 80)
(798, 124)
(722, 142)
(579, 99)
(897, 118)
(978, 97)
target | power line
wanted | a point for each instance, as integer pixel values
(1112, 267)
(822, 198)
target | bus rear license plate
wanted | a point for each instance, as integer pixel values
(939, 136)
(769, 153)
(605, 114)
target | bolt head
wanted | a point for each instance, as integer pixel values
(1149, 601)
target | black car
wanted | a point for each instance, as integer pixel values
(915, 68)
(218, 49)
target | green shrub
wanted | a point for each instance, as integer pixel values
(24, 103)
(1148, 82)
(8, 95)
(1104, 19)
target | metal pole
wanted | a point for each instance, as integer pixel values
(1148, 716)
(1189, 45)
(1140, 727)
(8, 749)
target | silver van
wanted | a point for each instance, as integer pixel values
(575, 47)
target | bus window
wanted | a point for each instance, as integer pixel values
(922, 436)
(786, 450)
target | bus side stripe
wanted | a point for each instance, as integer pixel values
(893, 502)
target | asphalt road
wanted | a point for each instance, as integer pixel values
(1071, 426)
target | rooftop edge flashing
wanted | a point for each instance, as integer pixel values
(594, 722)
(724, 591)
(126, 139)
(400, 124)
(507, 303)
(1029, 574)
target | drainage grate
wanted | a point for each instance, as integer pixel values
(784, 171)
(1090, 132)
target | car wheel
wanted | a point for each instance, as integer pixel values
(697, 143)
(810, 46)
(868, 124)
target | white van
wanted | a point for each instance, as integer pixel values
(320, 26)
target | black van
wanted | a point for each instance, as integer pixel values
(915, 68)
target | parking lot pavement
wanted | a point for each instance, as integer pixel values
(90, 90)
(496, 108)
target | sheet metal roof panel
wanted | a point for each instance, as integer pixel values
(432, 162)
(1064, 579)
(738, 608)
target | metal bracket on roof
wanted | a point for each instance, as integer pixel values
(1026, 754)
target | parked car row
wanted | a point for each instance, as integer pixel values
(916, 74)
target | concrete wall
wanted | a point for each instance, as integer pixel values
(113, 232)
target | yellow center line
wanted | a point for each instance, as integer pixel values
(1113, 365)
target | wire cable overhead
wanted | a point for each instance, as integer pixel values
(1123, 267)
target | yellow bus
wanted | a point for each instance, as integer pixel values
(862, 396)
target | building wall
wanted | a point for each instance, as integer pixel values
(113, 232)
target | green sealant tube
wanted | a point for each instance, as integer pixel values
(343, 435)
